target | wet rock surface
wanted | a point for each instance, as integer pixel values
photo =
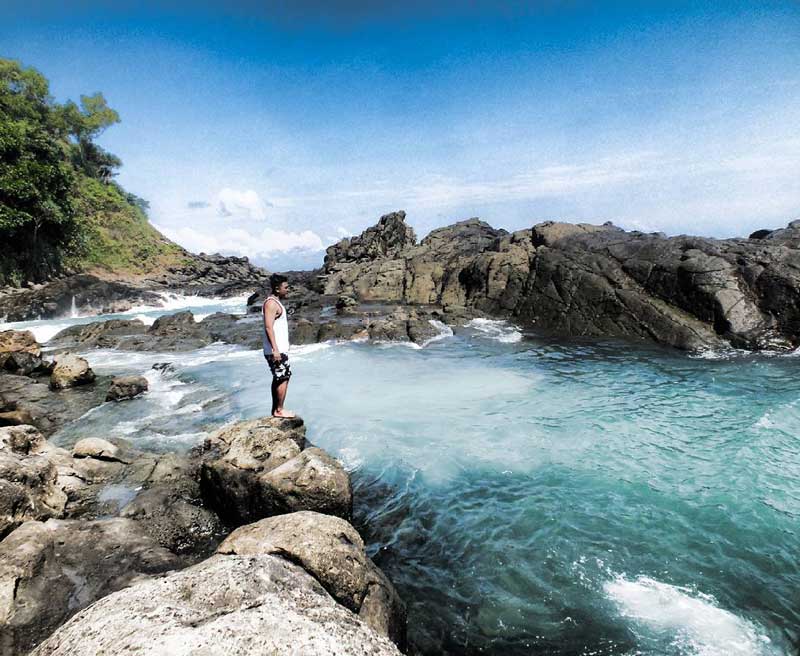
(126, 387)
(30, 400)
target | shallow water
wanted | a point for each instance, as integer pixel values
(530, 496)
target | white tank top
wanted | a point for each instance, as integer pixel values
(281, 328)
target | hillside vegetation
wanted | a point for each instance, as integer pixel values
(60, 209)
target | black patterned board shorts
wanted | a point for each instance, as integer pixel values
(280, 370)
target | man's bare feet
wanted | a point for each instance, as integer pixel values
(284, 414)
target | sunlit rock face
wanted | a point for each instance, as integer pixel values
(582, 279)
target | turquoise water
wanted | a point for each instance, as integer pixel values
(531, 496)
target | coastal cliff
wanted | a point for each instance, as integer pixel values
(587, 280)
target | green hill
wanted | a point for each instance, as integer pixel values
(60, 209)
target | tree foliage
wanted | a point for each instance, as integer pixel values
(45, 148)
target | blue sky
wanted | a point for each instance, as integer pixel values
(272, 129)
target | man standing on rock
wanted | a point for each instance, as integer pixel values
(276, 342)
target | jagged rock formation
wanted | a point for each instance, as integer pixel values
(387, 239)
(580, 279)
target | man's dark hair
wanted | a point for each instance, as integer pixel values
(276, 280)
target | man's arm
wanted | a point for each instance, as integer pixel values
(270, 313)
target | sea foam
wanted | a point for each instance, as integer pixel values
(693, 622)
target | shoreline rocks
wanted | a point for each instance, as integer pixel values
(238, 605)
(254, 469)
(97, 524)
(126, 387)
(70, 371)
(588, 280)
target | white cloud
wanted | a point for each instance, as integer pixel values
(245, 204)
(239, 241)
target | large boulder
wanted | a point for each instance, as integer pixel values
(258, 468)
(16, 341)
(98, 334)
(227, 605)
(126, 387)
(312, 480)
(70, 371)
(50, 570)
(332, 551)
(47, 409)
(29, 485)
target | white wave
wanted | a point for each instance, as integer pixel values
(42, 330)
(301, 350)
(171, 301)
(445, 331)
(496, 329)
(146, 319)
(691, 621)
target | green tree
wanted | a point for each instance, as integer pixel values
(84, 124)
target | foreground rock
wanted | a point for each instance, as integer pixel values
(19, 341)
(70, 371)
(126, 387)
(29, 485)
(227, 605)
(259, 468)
(332, 551)
(50, 570)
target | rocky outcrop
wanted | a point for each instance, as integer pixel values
(126, 387)
(88, 294)
(50, 570)
(390, 237)
(212, 275)
(85, 293)
(29, 400)
(332, 551)
(262, 467)
(246, 605)
(70, 371)
(423, 274)
(581, 279)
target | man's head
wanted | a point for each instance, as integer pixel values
(279, 284)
